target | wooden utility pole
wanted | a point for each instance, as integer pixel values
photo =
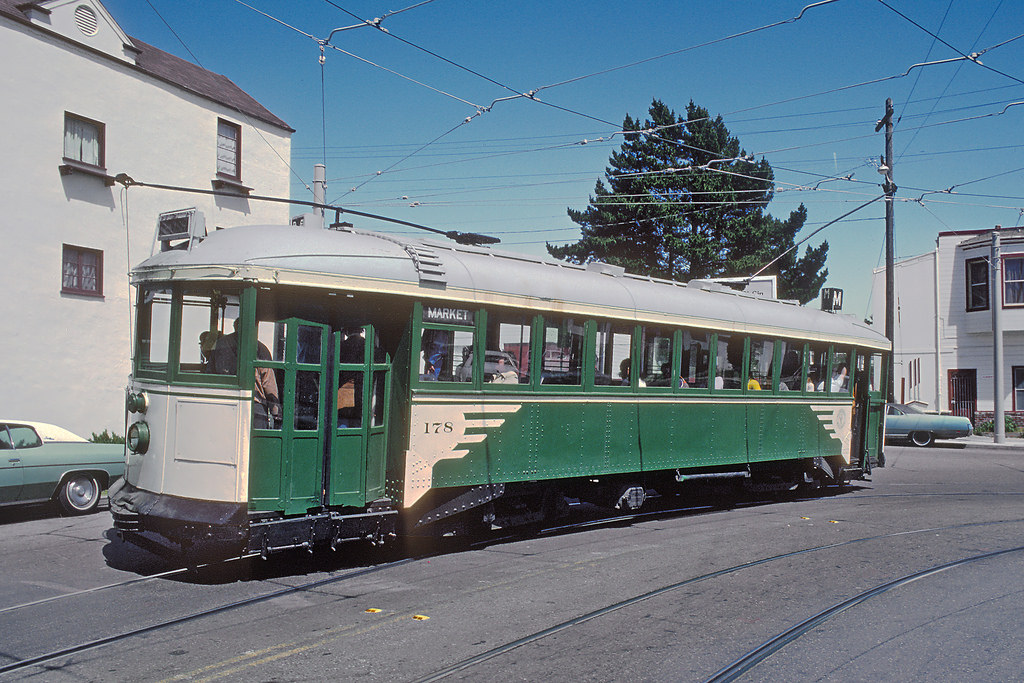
(890, 286)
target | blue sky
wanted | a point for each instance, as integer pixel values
(804, 94)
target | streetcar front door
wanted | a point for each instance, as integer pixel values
(872, 409)
(286, 451)
(361, 392)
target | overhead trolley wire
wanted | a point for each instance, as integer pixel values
(460, 237)
(973, 57)
(813, 233)
(687, 49)
(949, 83)
(242, 114)
(532, 94)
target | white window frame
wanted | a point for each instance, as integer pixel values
(1019, 281)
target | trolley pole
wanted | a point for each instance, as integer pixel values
(319, 187)
(996, 301)
(890, 285)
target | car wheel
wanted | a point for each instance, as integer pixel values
(79, 494)
(921, 438)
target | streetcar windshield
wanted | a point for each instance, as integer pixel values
(209, 332)
(153, 329)
(192, 330)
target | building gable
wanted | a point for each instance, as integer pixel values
(86, 22)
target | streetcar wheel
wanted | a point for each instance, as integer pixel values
(79, 494)
(921, 438)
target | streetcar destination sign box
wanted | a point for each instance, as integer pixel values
(447, 316)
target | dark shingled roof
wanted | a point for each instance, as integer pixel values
(174, 70)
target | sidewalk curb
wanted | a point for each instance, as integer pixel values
(1011, 441)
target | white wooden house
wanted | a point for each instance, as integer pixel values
(943, 347)
(83, 103)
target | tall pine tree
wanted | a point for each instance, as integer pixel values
(684, 202)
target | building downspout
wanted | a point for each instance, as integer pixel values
(938, 333)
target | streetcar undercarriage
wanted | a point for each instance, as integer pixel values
(194, 528)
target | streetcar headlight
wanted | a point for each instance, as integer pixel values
(137, 403)
(138, 438)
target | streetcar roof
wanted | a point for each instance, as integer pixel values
(424, 269)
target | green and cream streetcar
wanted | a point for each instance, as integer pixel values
(295, 386)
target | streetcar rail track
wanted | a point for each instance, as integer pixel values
(114, 638)
(120, 584)
(557, 628)
(566, 528)
(773, 645)
(107, 640)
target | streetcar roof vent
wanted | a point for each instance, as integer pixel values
(605, 269)
(709, 286)
(428, 265)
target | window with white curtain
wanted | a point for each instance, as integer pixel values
(82, 271)
(1013, 281)
(83, 140)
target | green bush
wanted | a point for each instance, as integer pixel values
(989, 426)
(106, 437)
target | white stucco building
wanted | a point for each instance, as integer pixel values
(83, 103)
(943, 345)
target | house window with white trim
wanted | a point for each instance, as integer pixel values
(83, 140)
(1013, 281)
(229, 149)
(977, 284)
(82, 271)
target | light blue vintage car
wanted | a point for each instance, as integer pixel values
(41, 463)
(908, 422)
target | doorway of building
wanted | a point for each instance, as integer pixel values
(963, 393)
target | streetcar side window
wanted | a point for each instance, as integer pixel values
(562, 359)
(307, 400)
(271, 335)
(817, 367)
(696, 357)
(841, 371)
(791, 370)
(352, 355)
(656, 366)
(507, 352)
(612, 366)
(729, 361)
(209, 335)
(377, 397)
(877, 365)
(446, 355)
(154, 329)
(760, 367)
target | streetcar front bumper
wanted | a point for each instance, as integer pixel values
(184, 522)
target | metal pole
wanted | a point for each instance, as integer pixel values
(890, 286)
(996, 300)
(319, 187)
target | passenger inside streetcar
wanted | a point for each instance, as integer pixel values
(350, 382)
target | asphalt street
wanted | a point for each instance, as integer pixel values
(912, 575)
